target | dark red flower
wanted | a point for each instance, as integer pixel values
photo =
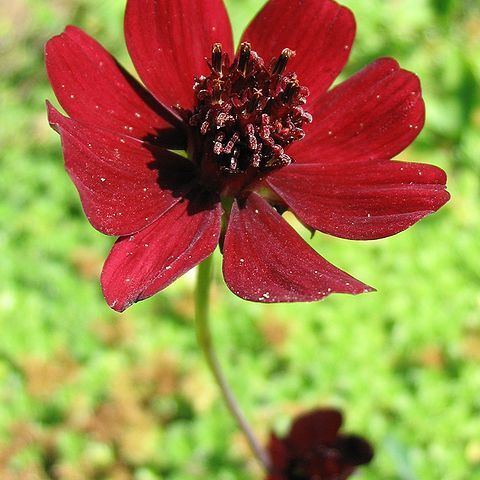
(315, 450)
(242, 119)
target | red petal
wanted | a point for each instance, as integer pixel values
(279, 455)
(265, 260)
(320, 31)
(314, 429)
(375, 114)
(168, 41)
(361, 200)
(276, 476)
(92, 87)
(145, 263)
(124, 184)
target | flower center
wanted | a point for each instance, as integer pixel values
(245, 113)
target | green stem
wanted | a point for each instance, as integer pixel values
(204, 278)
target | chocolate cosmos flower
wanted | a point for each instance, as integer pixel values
(315, 450)
(263, 134)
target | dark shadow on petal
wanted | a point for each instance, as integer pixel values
(180, 176)
(354, 450)
(173, 175)
(201, 200)
(161, 110)
(169, 138)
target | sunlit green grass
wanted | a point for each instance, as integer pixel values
(87, 394)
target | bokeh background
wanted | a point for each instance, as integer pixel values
(89, 394)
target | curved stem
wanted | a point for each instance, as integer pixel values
(204, 277)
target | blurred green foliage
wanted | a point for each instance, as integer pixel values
(88, 394)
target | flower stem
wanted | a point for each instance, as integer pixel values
(204, 337)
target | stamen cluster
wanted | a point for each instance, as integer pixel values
(246, 113)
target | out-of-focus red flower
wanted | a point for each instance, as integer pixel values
(263, 134)
(315, 450)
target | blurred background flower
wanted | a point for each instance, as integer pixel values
(315, 448)
(86, 393)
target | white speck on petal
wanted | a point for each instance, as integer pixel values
(137, 115)
(168, 267)
(72, 96)
(146, 244)
(256, 211)
(102, 179)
